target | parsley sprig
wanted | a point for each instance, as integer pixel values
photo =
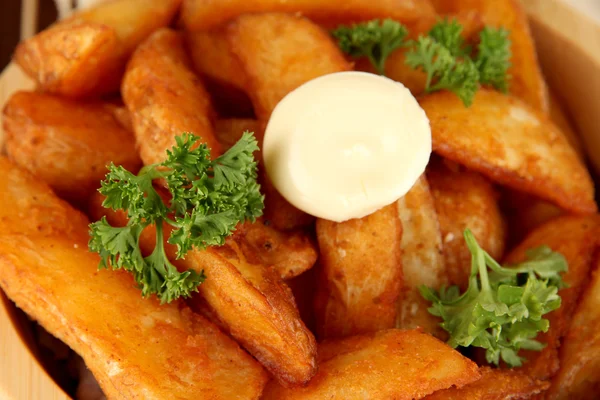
(442, 54)
(208, 199)
(502, 310)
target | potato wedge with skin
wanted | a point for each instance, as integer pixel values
(206, 14)
(422, 258)
(464, 199)
(161, 351)
(361, 274)
(250, 300)
(28, 206)
(576, 238)
(579, 374)
(85, 55)
(527, 81)
(229, 131)
(512, 144)
(495, 384)
(561, 119)
(387, 365)
(165, 98)
(67, 144)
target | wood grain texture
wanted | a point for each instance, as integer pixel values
(567, 41)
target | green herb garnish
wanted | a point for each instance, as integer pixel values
(493, 58)
(503, 307)
(208, 199)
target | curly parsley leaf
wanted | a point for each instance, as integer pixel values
(373, 39)
(493, 58)
(208, 199)
(448, 34)
(502, 310)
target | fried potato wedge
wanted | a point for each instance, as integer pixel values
(422, 259)
(67, 144)
(207, 14)
(576, 238)
(211, 56)
(561, 119)
(387, 365)
(289, 253)
(165, 98)
(229, 131)
(465, 200)
(85, 54)
(579, 374)
(28, 206)
(161, 351)
(250, 301)
(278, 53)
(361, 274)
(512, 144)
(527, 80)
(495, 384)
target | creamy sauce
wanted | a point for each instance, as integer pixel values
(346, 144)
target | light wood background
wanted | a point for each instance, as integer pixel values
(568, 43)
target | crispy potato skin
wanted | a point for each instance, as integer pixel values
(464, 199)
(495, 137)
(579, 374)
(249, 300)
(85, 55)
(206, 14)
(387, 365)
(66, 144)
(229, 130)
(422, 258)
(28, 206)
(163, 351)
(576, 238)
(361, 274)
(495, 384)
(527, 80)
(165, 98)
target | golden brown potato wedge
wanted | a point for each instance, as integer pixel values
(527, 81)
(561, 119)
(229, 131)
(134, 346)
(165, 98)
(579, 374)
(290, 253)
(576, 238)
(464, 199)
(361, 274)
(278, 53)
(422, 259)
(85, 54)
(28, 206)
(207, 14)
(67, 144)
(387, 365)
(512, 144)
(495, 384)
(211, 56)
(250, 300)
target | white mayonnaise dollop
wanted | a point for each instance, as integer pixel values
(346, 144)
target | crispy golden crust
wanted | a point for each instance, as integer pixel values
(136, 348)
(66, 144)
(361, 274)
(527, 81)
(576, 238)
(85, 55)
(165, 98)
(387, 365)
(464, 199)
(495, 384)
(28, 206)
(514, 145)
(422, 258)
(579, 374)
(206, 14)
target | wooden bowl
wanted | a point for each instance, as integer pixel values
(567, 40)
